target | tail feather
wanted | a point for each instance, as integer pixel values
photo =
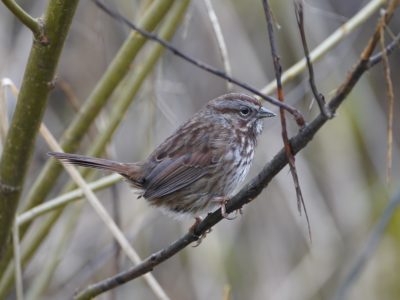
(92, 162)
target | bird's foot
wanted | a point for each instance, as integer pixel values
(191, 230)
(222, 201)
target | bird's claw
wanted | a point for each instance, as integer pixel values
(201, 237)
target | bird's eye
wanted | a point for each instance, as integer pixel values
(244, 111)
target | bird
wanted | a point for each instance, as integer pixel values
(198, 167)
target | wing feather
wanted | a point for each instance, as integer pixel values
(173, 174)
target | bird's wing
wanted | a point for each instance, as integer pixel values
(173, 174)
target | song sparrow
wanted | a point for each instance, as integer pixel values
(201, 163)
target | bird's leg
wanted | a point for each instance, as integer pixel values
(197, 221)
(222, 201)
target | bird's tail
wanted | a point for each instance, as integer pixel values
(92, 162)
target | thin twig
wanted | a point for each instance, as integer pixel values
(289, 153)
(245, 195)
(220, 41)
(24, 17)
(377, 58)
(151, 36)
(298, 4)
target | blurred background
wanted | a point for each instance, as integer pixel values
(266, 252)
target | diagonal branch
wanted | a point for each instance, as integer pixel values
(252, 189)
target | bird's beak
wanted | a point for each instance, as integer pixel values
(265, 113)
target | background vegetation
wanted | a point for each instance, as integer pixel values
(266, 252)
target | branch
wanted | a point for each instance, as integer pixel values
(24, 17)
(117, 16)
(285, 138)
(377, 58)
(249, 192)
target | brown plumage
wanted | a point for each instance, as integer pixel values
(203, 160)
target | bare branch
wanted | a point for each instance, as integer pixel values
(377, 58)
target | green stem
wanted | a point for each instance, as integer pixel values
(32, 100)
(24, 17)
